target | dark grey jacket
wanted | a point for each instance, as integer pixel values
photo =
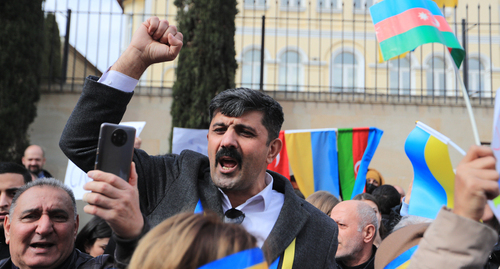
(169, 184)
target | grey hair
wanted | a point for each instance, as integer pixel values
(366, 216)
(409, 220)
(50, 182)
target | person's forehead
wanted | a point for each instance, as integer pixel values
(34, 152)
(44, 198)
(253, 118)
(11, 180)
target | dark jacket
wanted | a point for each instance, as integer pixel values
(169, 184)
(370, 264)
(76, 260)
(121, 258)
(4, 248)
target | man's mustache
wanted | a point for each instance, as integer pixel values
(228, 152)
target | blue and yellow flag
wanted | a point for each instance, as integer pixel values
(402, 261)
(313, 158)
(246, 259)
(433, 176)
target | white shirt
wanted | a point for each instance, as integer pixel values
(261, 211)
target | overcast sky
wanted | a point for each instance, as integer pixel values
(96, 29)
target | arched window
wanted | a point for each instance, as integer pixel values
(439, 77)
(290, 71)
(400, 76)
(250, 71)
(477, 78)
(345, 73)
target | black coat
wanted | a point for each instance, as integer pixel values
(169, 184)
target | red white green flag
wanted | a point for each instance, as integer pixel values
(280, 164)
(356, 147)
(403, 25)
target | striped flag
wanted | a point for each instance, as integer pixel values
(246, 259)
(280, 163)
(356, 147)
(433, 176)
(313, 159)
(403, 25)
(403, 260)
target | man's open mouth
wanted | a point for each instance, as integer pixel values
(228, 159)
(228, 163)
(42, 245)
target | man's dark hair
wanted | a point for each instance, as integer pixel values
(14, 168)
(387, 197)
(235, 102)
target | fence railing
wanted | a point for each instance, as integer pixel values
(321, 50)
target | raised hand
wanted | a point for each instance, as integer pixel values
(116, 201)
(476, 181)
(154, 41)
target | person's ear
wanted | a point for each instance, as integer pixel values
(6, 225)
(274, 149)
(369, 233)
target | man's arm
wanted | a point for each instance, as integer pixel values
(154, 41)
(117, 202)
(457, 239)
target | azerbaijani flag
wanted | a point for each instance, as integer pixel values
(313, 159)
(246, 259)
(403, 25)
(433, 176)
(356, 147)
(280, 163)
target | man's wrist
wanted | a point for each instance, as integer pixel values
(130, 63)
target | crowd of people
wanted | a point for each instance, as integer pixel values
(225, 210)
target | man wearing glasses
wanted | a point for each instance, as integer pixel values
(232, 181)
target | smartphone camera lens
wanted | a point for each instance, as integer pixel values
(119, 137)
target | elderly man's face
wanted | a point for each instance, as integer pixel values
(42, 229)
(350, 238)
(238, 152)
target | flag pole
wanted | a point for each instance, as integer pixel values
(467, 102)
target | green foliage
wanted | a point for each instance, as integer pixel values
(21, 44)
(51, 57)
(207, 62)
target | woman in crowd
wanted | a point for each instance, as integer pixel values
(189, 241)
(94, 237)
(323, 201)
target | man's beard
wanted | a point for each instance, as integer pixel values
(35, 169)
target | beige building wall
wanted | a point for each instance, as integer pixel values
(321, 34)
(396, 120)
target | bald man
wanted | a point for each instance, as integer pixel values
(34, 159)
(357, 224)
